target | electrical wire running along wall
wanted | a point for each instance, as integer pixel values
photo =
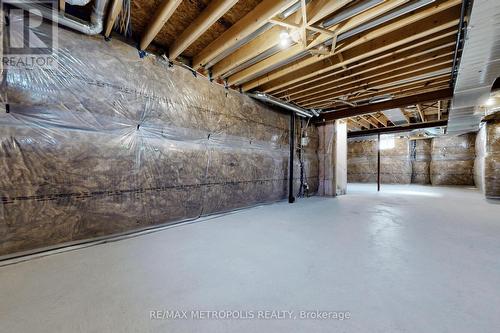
(395, 163)
(109, 143)
(453, 160)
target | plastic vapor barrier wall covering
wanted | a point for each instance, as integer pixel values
(361, 161)
(487, 163)
(421, 160)
(109, 143)
(395, 164)
(453, 160)
(480, 146)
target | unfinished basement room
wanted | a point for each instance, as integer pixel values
(250, 166)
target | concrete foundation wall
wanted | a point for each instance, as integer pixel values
(109, 143)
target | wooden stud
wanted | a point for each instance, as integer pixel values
(439, 15)
(162, 14)
(255, 19)
(116, 8)
(215, 10)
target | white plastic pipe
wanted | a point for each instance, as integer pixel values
(93, 27)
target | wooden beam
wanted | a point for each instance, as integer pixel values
(309, 68)
(444, 72)
(376, 82)
(369, 119)
(62, 5)
(394, 103)
(439, 110)
(254, 20)
(215, 10)
(412, 88)
(415, 47)
(378, 40)
(360, 122)
(439, 14)
(161, 16)
(114, 11)
(371, 69)
(420, 113)
(402, 110)
(271, 39)
(381, 118)
(396, 129)
(323, 8)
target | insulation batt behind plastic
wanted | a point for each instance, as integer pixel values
(487, 163)
(395, 164)
(110, 142)
(453, 160)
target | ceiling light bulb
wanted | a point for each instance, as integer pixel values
(284, 35)
(284, 42)
(284, 38)
(490, 101)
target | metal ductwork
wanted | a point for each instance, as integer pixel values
(94, 27)
(77, 2)
(396, 116)
(276, 101)
(479, 67)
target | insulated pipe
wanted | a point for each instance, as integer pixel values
(291, 198)
(93, 27)
(77, 2)
(378, 162)
(273, 100)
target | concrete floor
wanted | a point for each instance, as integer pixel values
(409, 259)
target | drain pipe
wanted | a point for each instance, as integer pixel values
(291, 198)
(77, 2)
(276, 101)
(93, 27)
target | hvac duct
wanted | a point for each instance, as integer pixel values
(273, 100)
(479, 67)
(77, 2)
(93, 27)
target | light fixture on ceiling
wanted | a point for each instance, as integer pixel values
(490, 102)
(285, 39)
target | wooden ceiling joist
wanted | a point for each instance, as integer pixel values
(369, 70)
(375, 81)
(394, 103)
(254, 20)
(293, 74)
(416, 48)
(161, 16)
(378, 83)
(443, 12)
(396, 90)
(420, 113)
(323, 8)
(270, 38)
(215, 10)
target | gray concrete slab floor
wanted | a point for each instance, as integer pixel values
(408, 259)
